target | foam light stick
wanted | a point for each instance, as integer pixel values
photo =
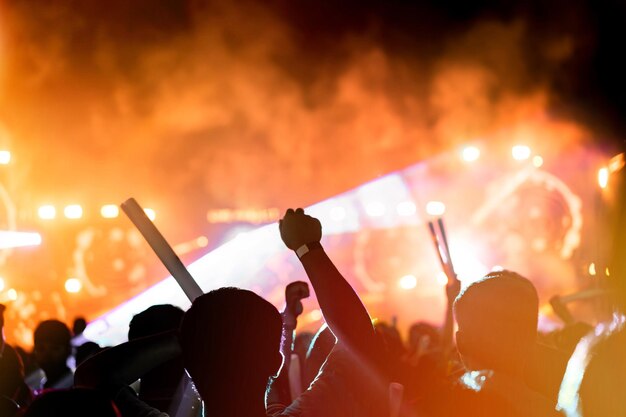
(440, 240)
(162, 249)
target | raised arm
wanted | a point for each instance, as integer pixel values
(342, 309)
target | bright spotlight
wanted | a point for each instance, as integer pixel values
(5, 157)
(603, 177)
(109, 211)
(520, 152)
(435, 208)
(375, 209)
(12, 294)
(47, 212)
(73, 285)
(150, 213)
(10, 239)
(537, 161)
(442, 278)
(406, 208)
(408, 282)
(2, 284)
(202, 242)
(73, 211)
(338, 213)
(470, 153)
(592, 269)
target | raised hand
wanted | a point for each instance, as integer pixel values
(294, 293)
(297, 229)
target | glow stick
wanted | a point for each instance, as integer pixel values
(162, 249)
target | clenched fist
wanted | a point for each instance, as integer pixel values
(297, 229)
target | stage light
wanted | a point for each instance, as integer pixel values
(338, 213)
(5, 157)
(375, 209)
(315, 315)
(603, 177)
(442, 278)
(109, 211)
(607, 272)
(616, 163)
(10, 239)
(12, 294)
(202, 242)
(520, 152)
(592, 269)
(435, 208)
(408, 282)
(73, 211)
(150, 213)
(406, 208)
(2, 284)
(537, 161)
(470, 153)
(47, 212)
(73, 285)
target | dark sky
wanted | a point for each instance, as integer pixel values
(190, 105)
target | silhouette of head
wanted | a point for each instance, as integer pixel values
(79, 326)
(52, 344)
(155, 319)
(158, 386)
(230, 340)
(497, 319)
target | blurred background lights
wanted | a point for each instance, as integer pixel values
(73, 285)
(520, 152)
(603, 177)
(202, 242)
(470, 153)
(73, 211)
(150, 213)
(5, 157)
(375, 209)
(435, 208)
(2, 284)
(338, 213)
(406, 208)
(592, 269)
(442, 278)
(408, 282)
(537, 161)
(110, 211)
(12, 294)
(47, 212)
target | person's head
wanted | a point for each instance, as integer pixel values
(155, 319)
(230, 340)
(159, 385)
(497, 322)
(79, 326)
(52, 345)
(74, 402)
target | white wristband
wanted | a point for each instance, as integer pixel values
(306, 248)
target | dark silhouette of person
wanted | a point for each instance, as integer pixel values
(51, 352)
(74, 402)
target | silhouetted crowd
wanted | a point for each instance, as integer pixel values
(232, 353)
